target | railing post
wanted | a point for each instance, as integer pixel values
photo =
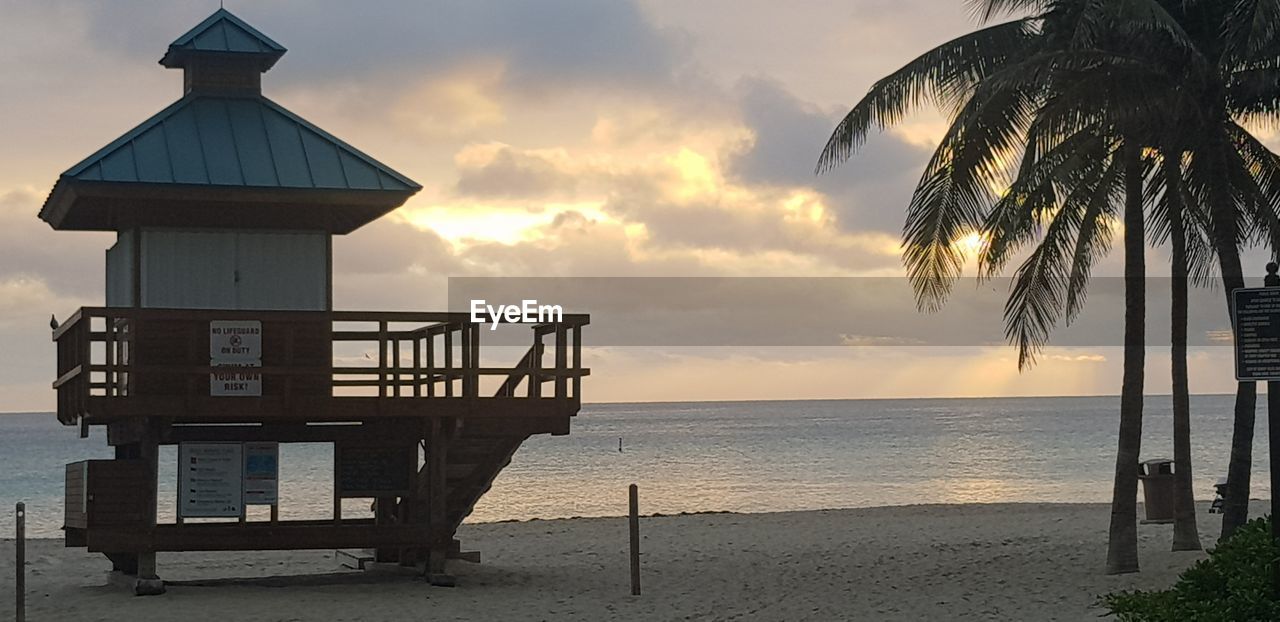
(83, 335)
(417, 368)
(431, 364)
(475, 361)
(127, 356)
(382, 358)
(448, 361)
(535, 366)
(577, 363)
(465, 336)
(562, 362)
(109, 338)
(395, 367)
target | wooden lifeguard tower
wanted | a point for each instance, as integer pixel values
(219, 336)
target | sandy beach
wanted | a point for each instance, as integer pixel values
(938, 562)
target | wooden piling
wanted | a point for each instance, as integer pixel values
(1273, 445)
(635, 539)
(20, 563)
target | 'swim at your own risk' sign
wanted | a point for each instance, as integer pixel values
(235, 344)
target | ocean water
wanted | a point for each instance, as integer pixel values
(737, 456)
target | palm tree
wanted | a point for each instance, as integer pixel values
(998, 80)
(1231, 75)
(1063, 87)
(1191, 97)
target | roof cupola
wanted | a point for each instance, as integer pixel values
(222, 55)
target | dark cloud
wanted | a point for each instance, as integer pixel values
(514, 174)
(869, 192)
(545, 42)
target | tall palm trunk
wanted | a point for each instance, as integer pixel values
(1186, 536)
(1235, 510)
(1122, 544)
(1224, 230)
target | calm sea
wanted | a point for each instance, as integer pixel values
(739, 456)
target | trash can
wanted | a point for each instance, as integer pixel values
(1157, 490)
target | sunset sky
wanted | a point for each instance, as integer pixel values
(552, 138)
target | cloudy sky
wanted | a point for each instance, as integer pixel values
(606, 138)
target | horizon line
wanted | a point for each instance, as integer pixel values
(817, 399)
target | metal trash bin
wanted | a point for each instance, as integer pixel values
(1157, 490)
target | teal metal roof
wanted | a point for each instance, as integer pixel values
(237, 142)
(223, 33)
(224, 155)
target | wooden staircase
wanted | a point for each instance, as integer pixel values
(474, 459)
(474, 462)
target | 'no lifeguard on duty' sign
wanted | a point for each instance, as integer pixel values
(235, 344)
(1256, 313)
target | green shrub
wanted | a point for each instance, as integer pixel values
(1232, 585)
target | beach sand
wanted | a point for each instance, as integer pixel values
(935, 562)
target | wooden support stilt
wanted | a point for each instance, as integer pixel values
(439, 534)
(148, 582)
(20, 562)
(385, 514)
(633, 495)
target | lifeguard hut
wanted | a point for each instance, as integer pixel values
(219, 336)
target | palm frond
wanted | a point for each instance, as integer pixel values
(946, 73)
(1037, 294)
(1093, 241)
(955, 191)
(1253, 26)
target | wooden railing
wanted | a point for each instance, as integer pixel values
(125, 352)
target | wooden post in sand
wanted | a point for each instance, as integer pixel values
(1273, 444)
(20, 565)
(635, 540)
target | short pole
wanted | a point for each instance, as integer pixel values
(20, 566)
(1273, 445)
(635, 540)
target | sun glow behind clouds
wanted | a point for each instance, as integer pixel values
(971, 244)
(697, 175)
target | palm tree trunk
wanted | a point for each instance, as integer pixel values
(1122, 544)
(1224, 231)
(1186, 536)
(1235, 510)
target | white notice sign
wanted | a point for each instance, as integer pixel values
(235, 341)
(210, 480)
(261, 473)
(235, 381)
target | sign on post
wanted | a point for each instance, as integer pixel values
(1256, 313)
(235, 344)
(262, 473)
(210, 480)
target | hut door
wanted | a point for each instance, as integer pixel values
(188, 270)
(282, 271)
(235, 270)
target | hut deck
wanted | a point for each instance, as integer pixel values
(404, 385)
